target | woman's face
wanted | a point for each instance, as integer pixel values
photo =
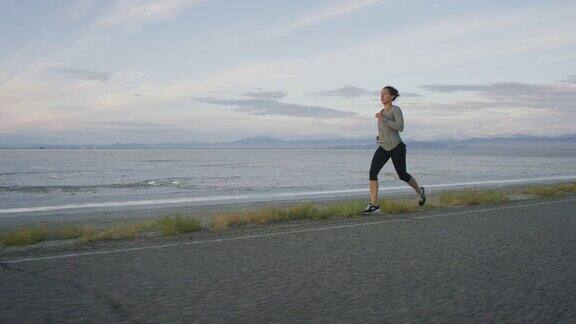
(385, 96)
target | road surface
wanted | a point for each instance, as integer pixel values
(503, 263)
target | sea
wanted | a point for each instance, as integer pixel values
(35, 180)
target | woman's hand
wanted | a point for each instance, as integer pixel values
(379, 116)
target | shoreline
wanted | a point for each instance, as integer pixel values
(206, 213)
(162, 201)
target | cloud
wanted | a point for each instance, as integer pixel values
(134, 13)
(463, 107)
(160, 132)
(263, 94)
(85, 74)
(448, 42)
(346, 92)
(496, 88)
(69, 108)
(410, 95)
(91, 135)
(356, 92)
(516, 94)
(423, 50)
(331, 12)
(80, 9)
(498, 108)
(274, 107)
(133, 124)
(570, 79)
(322, 14)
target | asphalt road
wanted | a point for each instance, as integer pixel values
(507, 263)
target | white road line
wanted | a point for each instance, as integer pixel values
(71, 255)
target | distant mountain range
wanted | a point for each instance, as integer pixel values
(518, 141)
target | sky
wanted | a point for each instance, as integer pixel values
(165, 71)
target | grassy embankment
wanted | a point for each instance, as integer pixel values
(182, 224)
(168, 226)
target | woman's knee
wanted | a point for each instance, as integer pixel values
(405, 177)
(373, 175)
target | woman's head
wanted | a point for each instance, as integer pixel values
(388, 94)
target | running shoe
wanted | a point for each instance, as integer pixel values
(371, 209)
(422, 197)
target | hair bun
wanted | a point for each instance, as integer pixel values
(393, 92)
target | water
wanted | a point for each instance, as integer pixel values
(58, 179)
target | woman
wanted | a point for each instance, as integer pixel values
(390, 145)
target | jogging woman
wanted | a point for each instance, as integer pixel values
(390, 145)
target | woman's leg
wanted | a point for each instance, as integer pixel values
(414, 185)
(374, 192)
(399, 160)
(378, 160)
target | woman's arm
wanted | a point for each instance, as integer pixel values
(397, 125)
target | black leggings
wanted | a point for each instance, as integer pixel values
(398, 155)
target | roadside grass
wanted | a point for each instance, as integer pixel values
(269, 215)
(25, 236)
(67, 232)
(171, 226)
(181, 224)
(345, 209)
(552, 191)
(167, 226)
(266, 216)
(471, 197)
(115, 232)
(36, 234)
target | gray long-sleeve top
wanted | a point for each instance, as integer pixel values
(389, 128)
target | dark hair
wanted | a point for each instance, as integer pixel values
(393, 92)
